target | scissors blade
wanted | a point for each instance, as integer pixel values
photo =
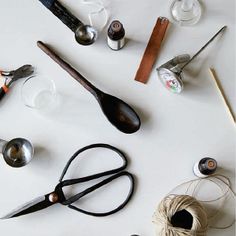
(30, 207)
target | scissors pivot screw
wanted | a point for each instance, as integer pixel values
(53, 197)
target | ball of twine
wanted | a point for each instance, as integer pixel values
(172, 204)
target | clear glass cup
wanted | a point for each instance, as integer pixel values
(39, 93)
(186, 12)
(96, 13)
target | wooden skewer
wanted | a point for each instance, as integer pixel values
(220, 89)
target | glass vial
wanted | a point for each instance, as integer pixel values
(205, 167)
(116, 35)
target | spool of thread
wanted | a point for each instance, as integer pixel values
(185, 215)
(206, 166)
(116, 35)
(180, 215)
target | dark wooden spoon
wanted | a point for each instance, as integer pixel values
(119, 113)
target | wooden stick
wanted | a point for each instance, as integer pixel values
(220, 89)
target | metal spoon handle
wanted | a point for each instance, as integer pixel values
(74, 73)
(2, 144)
(62, 13)
(193, 57)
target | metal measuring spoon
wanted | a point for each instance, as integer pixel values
(84, 34)
(17, 153)
(119, 113)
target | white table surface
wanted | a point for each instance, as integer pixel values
(176, 131)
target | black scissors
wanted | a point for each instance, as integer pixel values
(57, 196)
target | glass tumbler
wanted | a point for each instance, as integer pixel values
(186, 12)
(39, 92)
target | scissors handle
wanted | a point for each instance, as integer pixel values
(97, 175)
(78, 196)
(113, 174)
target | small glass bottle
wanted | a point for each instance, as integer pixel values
(116, 35)
(206, 166)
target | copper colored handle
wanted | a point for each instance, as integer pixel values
(152, 50)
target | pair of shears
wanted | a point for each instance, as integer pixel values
(14, 75)
(58, 196)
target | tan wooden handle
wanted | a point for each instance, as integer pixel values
(221, 91)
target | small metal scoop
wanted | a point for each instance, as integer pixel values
(85, 34)
(170, 72)
(17, 153)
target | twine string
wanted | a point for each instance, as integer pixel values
(173, 203)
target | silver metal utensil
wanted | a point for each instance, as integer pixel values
(170, 73)
(84, 34)
(17, 152)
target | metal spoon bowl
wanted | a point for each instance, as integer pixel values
(85, 35)
(18, 152)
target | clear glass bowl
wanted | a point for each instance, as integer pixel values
(39, 93)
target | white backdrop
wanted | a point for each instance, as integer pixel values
(176, 131)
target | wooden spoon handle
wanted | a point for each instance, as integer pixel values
(67, 67)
